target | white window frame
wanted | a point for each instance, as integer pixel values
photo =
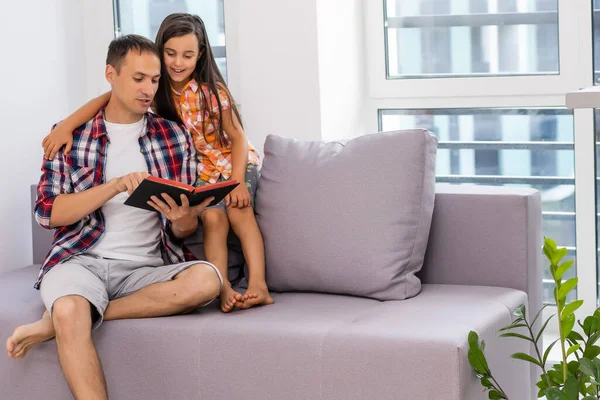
(576, 72)
(571, 21)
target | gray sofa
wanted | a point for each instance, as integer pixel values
(483, 259)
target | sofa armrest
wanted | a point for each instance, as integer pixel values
(488, 236)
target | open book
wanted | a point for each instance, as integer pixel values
(153, 186)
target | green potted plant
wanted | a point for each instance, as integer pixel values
(577, 376)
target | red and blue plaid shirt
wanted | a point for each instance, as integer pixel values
(169, 152)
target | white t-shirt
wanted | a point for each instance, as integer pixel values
(130, 233)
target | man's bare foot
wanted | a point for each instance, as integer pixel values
(255, 296)
(26, 337)
(229, 299)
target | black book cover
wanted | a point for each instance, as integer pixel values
(156, 186)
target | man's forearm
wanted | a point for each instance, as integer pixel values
(71, 208)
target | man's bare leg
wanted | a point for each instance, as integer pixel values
(190, 289)
(72, 319)
(27, 336)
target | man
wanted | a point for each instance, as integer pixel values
(106, 262)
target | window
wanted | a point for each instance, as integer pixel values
(477, 38)
(145, 16)
(510, 147)
(489, 78)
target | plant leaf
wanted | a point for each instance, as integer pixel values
(512, 326)
(539, 335)
(593, 339)
(562, 302)
(547, 352)
(555, 394)
(573, 349)
(586, 366)
(485, 382)
(571, 388)
(558, 255)
(516, 335)
(495, 395)
(566, 287)
(525, 357)
(539, 314)
(549, 245)
(568, 324)
(574, 336)
(562, 268)
(556, 377)
(573, 367)
(520, 312)
(473, 339)
(591, 352)
(542, 384)
(548, 254)
(570, 308)
(478, 361)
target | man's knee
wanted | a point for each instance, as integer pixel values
(214, 218)
(71, 313)
(200, 283)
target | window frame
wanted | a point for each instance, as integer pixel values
(572, 23)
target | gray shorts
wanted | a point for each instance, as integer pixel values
(100, 280)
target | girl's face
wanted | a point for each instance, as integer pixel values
(180, 56)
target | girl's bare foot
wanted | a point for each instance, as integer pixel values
(257, 295)
(26, 337)
(229, 299)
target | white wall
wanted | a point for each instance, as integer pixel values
(43, 79)
(342, 79)
(297, 67)
(273, 67)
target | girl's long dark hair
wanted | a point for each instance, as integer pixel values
(206, 71)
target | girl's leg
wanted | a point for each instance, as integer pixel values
(216, 229)
(245, 227)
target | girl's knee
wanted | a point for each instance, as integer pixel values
(214, 218)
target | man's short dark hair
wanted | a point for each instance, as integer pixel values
(121, 46)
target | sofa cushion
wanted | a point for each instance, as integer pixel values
(348, 218)
(304, 347)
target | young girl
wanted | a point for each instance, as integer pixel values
(193, 91)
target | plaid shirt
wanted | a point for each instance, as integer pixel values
(214, 160)
(169, 154)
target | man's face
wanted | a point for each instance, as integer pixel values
(135, 85)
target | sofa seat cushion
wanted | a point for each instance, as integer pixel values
(306, 346)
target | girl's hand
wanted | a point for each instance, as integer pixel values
(239, 197)
(59, 137)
